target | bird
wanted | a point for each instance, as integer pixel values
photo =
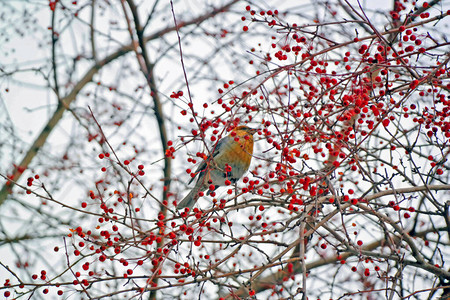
(230, 160)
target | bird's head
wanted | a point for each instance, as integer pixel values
(245, 128)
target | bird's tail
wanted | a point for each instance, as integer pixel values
(191, 198)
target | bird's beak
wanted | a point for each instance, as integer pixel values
(253, 131)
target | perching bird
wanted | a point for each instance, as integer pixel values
(230, 160)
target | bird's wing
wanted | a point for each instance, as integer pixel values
(217, 152)
(220, 145)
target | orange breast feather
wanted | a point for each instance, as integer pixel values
(244, 147)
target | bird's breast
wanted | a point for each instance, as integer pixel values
(240, 156)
